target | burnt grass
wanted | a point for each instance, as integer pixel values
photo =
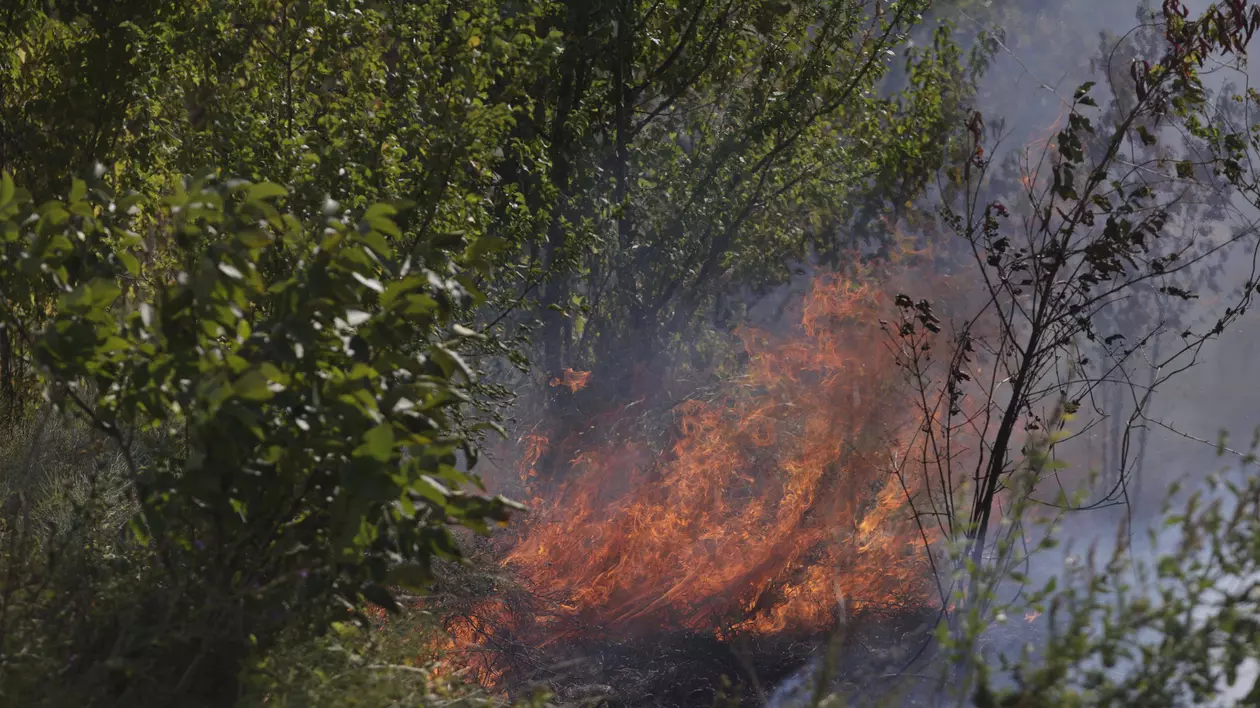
(684, 669)
(884, 654)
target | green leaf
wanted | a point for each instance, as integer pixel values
(378, 211)
(253, 386)
(138, 531)
(398, 287)
(379, 442)
(265, 190)
(273, 374)
(481, 249)
(385, 226)
(377, 242)
(451, 363)
(130, 262)
(105, 292)
(411, 576)
(432, 490)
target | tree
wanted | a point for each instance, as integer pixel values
(703, 144)
(633, 161)
(357, 102)
(1095, 224)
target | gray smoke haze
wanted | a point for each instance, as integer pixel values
(1213, 395)
(1042, 59)
(1032, 76)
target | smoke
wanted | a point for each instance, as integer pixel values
(1049, 49)
(1043, 53)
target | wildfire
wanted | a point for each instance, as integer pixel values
(533, 447)
(573, 380)
(773, 498)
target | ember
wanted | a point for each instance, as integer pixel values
(573, 380)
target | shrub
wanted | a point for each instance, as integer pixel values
(279, 411)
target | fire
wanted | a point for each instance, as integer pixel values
(534, 448)
(771, 499)
(573, 380)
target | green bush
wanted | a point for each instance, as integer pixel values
(1181, 630)
(280, 411)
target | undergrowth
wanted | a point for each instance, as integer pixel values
(76, 587)
(396, 661)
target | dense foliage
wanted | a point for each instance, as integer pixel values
(709, 140)
(291, 384)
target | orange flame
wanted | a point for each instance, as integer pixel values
(767, 502)
(773, 499)
(573, 380)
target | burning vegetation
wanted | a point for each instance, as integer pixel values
(766, 507)
(573, 380)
